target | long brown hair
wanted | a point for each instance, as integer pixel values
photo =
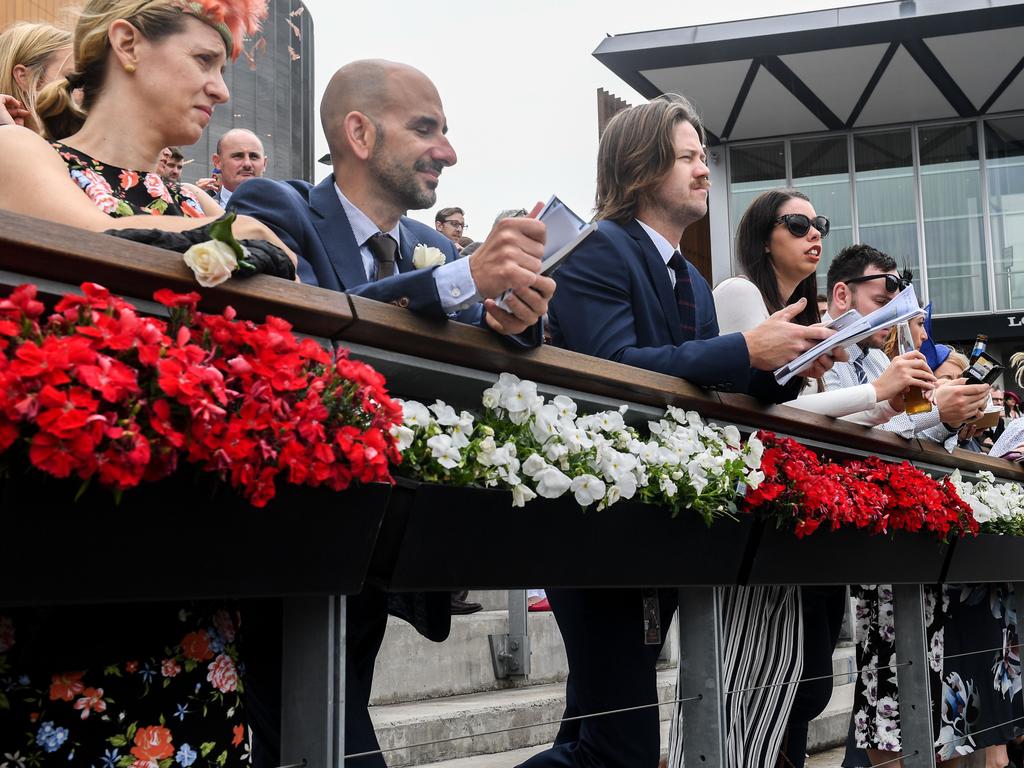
(636, 153)
(752, 235)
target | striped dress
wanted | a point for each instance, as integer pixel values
(762, 648)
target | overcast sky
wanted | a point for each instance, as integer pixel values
(517, 80)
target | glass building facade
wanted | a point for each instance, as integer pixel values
(272, 95)
(945, 199)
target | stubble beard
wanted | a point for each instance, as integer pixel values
(401, 184)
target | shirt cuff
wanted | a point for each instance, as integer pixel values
(455, 286)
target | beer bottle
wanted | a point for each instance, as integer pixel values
(914, 397)
(979, 346)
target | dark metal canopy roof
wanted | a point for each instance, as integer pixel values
(891, 62)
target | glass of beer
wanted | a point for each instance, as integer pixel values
(913, 397)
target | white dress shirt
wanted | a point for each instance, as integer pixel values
(455, 285)
(665, 249)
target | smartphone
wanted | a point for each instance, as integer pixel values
(984, 370)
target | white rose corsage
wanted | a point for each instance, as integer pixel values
(427, 256)
(215, 260)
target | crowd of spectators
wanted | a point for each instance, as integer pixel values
(94, 128)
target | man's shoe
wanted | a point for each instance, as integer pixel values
(463, 607)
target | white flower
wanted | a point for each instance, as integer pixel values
(491, 398)
(587, 489)
(212, 262)
(556, 451)
(754, 479)
(534, 465)
(566, 407)
(445, 414)
(731, 435)
(427, 256)
(668, 487)
(522, 494)
(443, 452)
(415, 414)
(544, 423)
(403, 435)
(551, 483)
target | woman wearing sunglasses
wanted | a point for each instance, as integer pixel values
(778, 248)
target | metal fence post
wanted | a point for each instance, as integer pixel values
(313, 682)
(915, 702)
(700, 674)
(510, 653)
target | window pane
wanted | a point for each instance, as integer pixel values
(821, 171)
(886, 197)
(753, 169)
(953, 225)
(1004, 152)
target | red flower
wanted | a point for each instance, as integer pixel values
(238, 735)
(196, 645)
(66, 686)
(153, 742)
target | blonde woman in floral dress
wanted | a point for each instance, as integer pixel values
(126, 685)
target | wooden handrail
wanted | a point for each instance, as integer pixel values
(42, 249)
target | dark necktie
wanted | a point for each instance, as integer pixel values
(384, 249)
(684, 296)
(858, 366)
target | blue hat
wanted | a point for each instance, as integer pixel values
(935, 354)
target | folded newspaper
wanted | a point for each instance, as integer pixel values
(851, 327)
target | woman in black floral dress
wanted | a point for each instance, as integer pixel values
(125, 686)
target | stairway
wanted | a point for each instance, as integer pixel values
(428, 692)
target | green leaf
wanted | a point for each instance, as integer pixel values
(117, 741)
(112, 671)
(222, 758)
(167, 762)
(206, 748)
(132, 729)
(126, 761)
(4, 702)
(221, 230)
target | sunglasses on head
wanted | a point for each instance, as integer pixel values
(893, 283)
(798, 224)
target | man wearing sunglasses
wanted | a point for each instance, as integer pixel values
(863, 278)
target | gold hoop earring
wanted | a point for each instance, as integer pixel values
(129, 68)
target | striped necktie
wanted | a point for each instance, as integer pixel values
(684, 296)
(858, 366)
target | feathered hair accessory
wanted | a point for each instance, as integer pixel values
(233, 19)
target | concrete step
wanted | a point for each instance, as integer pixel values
(410, 667)
(481, 718)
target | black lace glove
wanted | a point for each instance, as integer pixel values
(263, 256)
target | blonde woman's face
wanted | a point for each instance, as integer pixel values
(948, 371)
(59, 64)
(180, 79)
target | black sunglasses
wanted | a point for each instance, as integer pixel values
(893, 283)
(798, 224)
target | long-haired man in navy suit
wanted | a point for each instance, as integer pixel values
(385, 127)
(656, 312)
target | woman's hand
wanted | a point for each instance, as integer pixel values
(12, 111)
(248, 228)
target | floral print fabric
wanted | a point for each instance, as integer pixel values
(876, 716)
(981, 673)
(118, 192)
(170, 706)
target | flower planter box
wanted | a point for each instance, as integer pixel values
(987, 557)
(847, 557)
(184, 537)
(439, 538)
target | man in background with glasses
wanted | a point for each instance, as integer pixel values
(451, 222)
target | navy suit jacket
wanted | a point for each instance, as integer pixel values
(310, 221)
(615, 300)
